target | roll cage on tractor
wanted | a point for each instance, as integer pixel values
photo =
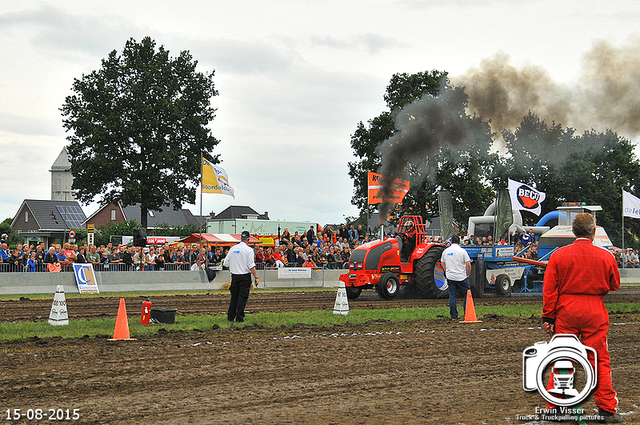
(381, 265)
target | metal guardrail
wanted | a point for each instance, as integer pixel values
(12, 268)
(46, 283)
(329, 266)
(102, 267)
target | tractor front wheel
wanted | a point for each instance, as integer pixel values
(388, 286)
(353, 292)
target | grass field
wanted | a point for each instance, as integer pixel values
(80, 328)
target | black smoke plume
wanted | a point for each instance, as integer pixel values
(422, 127)
(606, 96)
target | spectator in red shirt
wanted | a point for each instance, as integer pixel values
(277, 258)
(260, 258)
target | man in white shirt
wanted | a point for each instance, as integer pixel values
(241, 263)
(634, 258)
(456, 265)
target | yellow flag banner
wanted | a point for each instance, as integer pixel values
(399, 189)
(215, 179)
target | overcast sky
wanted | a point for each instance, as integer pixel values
(294, 77)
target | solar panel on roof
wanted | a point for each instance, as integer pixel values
(72, 215)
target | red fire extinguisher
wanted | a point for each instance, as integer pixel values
(146, 312)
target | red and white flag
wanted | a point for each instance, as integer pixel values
(399, 188)
(525, 197)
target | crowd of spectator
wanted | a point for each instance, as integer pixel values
(525, 243)
(119, 257)
(528, 242)
(329, 249)
(627, 258)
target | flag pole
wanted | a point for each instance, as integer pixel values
(495, 222)
(622, 219)
(200, 225)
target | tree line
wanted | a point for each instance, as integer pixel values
(591, 166)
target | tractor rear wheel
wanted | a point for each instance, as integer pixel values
(353, 292)
(428, 276)
(388, 286)
(476, 281)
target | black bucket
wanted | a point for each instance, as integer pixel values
(166, 316)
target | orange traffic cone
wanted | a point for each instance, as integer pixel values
(121, 331)
(470, 311)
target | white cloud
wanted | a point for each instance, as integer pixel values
(370, 42)
(31, 126)
(53, 31)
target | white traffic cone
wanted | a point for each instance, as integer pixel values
(342, 302)
(58, 315)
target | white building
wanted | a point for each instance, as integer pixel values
(61, 178)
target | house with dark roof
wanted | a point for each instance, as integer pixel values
(47, 221)
(116, 213)
(235, 212)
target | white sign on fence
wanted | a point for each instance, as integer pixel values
(85, 278)
(294, 273)
(505, 252)
(515, 273)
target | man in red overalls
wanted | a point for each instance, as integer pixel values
(576, 280)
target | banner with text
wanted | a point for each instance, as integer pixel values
(85, 278)
(215, 179)
(630, 205)
(399, 189)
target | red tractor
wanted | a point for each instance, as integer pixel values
(385, 266)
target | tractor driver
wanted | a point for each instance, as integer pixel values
(408, 240)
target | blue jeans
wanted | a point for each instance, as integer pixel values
(454, 286)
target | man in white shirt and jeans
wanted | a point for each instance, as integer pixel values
(241, 263)
(456, 265)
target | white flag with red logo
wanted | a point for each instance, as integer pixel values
(525, 197)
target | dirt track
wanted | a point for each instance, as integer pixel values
(436, 371)
(104, 307)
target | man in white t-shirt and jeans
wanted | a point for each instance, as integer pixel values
(241, 263)
(456, 265)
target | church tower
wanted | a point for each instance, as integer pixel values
(61, 178)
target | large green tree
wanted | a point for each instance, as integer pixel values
(138, 128)
(592, 167)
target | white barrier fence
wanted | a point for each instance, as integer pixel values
(24, 283)
(629, 275)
